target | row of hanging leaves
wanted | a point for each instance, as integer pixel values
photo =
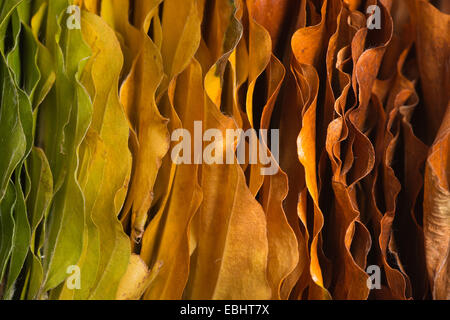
(87, 176)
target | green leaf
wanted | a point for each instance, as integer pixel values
(21, 240)
(64, 117)
(6, 226)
